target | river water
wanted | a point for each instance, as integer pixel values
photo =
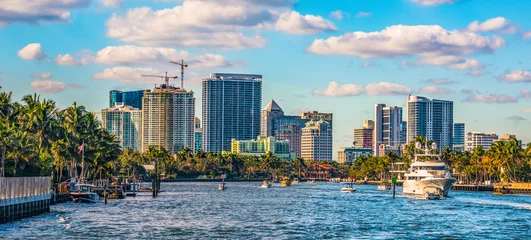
(303, 211)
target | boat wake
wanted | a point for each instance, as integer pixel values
(525, 206)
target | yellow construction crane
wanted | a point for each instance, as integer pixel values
(182, 70)
(165, 77)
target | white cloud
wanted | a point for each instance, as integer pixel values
(493, 24)
(525, 94)
(516, 76)
(133, 75)
(32, 51)
(337, 14)
(439, 81)
(336, 90)
(526, 35)
(438, 60)
(515, 118)
(467, 64)
(387, 88)
(432, 2)
(491, 99)
(210, 24)
(112, 3)
(44, 75)
(363, 14)
(435, 90)
(400, 40)
(367, 64)
(47, 86)
(38, 11)
(295, 23)
(476, 72)
(66, 59)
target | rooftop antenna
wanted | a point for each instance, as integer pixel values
(165, 77)
(182, 70)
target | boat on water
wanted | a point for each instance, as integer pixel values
(222, 186)
(427, 172)
(265, 184)
(384, 187)
(82, 193)
(285, 182)
(295, 181)
(431, 193)
(348, 188)
(311, 181)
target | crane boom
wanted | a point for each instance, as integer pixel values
(182, 70)
(165, 77)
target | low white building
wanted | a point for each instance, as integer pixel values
(475, 139)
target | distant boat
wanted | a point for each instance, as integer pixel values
(295, 181)
(222, 185)
(384, 187)
(348, 188)
(311, 181)
(285, 182)
(265, 184)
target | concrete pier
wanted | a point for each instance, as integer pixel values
(473, 188)
(22, 197)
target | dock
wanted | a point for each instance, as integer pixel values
(512, 188)
(22, 197)
(473, 188)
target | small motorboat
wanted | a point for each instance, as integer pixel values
(348, 188)
(384, 187)
(82, 193)
(295, 181)
(432, 193)
(222, 187)
(265, 184)
(311, 181)
(285, 182)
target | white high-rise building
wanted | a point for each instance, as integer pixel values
(316, 141)
(432, 119)
(475, 139)
(387, 127)
(125, 122)
(168, 118)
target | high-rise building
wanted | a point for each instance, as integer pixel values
(387, 126)
(198, 134)
(168, 118)
(316, 116)
(350, 154)
(270, 113)
(432, 119)
(363, 138)
(127, 98)
(231, 109)
(475, 139)
(459, 137)
(403, 133)
(125, 122)
(261, 146)
(316, 141)
(368, 124)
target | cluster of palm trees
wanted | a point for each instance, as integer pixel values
(187, 164)
(38, 139)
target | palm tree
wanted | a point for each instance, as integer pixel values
(299, 164)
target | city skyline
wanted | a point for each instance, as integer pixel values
(487, 80)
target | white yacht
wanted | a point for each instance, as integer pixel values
(427, 172)
(348, 188)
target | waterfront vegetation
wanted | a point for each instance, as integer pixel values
(39, 139)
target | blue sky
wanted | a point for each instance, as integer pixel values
(331, 56)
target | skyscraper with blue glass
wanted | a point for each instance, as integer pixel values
(128, 98)
(231, 109)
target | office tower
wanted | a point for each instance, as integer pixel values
(363, 138)
(168, 118)
(508, 137)
(387, 126)
(316, 141)
(403, 133)
(316, 116)
(350, 154)
(125, 122)
(261, 146)
(459, 136)
(271, 112)
(198, 134)
(231, 109)
(432, 119)
(475, 139)
(127, 98)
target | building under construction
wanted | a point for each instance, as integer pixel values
(168, 118)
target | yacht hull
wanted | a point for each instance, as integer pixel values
(417, 187)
